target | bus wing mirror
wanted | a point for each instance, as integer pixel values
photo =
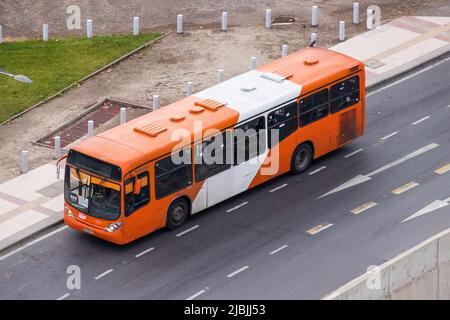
(137, 186)
(58, 166)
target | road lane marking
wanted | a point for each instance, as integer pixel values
(407, 77)
(420, 120)
(405, 188)
(195, 295)
(144, 252)
(317, 170)
(278, 188)
(389, 135)
(364, 178)
(33, 242)
(433, 206)
(103, 274)
(63, 296)
(319, 228)
(443, 169)
(231, 275)
(237, 207)
(279, 249)
(364, 207)
(353, 153)
(188, 230)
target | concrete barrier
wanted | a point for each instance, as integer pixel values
(422, 272)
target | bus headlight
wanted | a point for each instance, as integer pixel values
(69, 212)
(113, 227)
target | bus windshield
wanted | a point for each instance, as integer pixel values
(94, 196)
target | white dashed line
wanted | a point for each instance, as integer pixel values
(364, 207)
(317, 170)
(353, 153)
(279, 249)
(237, 207)
(420, 120)
(319, 228)
(237, 271)
(144, 252)
(103, 274)
(278, 188)
(188, 230)
(63, 296)
(389, 135)
(195, 295)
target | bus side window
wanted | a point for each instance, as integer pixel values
(344, 94)
(313, 107)
(284, 120)
(136, 201)
(211, 156)
(248, 141)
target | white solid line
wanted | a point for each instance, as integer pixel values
(279, 187)
(420, 120)
(195, 295)
(144, 252)
(33, 242)
(279, 249)
(237, 207)
(188, 230)
(407, 77)
(317, 170)
(389, 135)
(103, 274)
(353, 153)
(237, 271)
(63, 296)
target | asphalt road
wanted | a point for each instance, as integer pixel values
(262, 249)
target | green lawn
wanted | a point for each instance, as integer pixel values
(54, 65)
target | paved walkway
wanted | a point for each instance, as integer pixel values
(34, 201)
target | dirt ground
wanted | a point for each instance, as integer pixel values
(166, 66)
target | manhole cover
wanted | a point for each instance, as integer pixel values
(283, 20)
(374, 63)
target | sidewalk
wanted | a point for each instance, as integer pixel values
(34, 201)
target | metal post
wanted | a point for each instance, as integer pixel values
(24, 161)
(89, 28)
(155, 103)
(123, 115)
(314, 16)
(314, 38)
(135, 26)
(188, 89)
(356, 13)
(284, 50)
(57, 147)
(341, 30)
(369, 19)
(1, 34)
(224, 21)
(268, 18)
(220, 75)
(90, 128)
(45, 32)
(180, 23)
(252, 63)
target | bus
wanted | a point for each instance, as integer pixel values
(147, 174)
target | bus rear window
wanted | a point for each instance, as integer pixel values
(94, 165)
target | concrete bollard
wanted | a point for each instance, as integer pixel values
(314, 38)
(89, 28)
(135, 26)
(45, 32)
(284, 50)
(180, 23)
(369, 19)
(1, 34)
(314, 16)
(123, 115)
(57, 140)
(90, 128)
(188, 89)
(224, 21)
(268, 18)
(24, 161)
(341, 30)
(252, 63)
(155, 103)
(220, 75)
(356, 13)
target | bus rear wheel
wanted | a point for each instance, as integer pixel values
(177, 214)
(301, 158)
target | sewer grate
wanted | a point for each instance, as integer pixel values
(283, 20)
(374, 63)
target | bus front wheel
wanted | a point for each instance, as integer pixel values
(301, 158)
(177, 214)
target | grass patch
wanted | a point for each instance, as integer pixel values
(55, 64)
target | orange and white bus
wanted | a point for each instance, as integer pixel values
(125, 183)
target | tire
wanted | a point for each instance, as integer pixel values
(177, 214)
(301, 158)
